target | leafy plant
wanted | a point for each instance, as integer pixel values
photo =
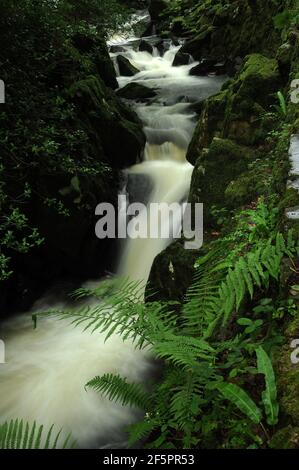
(269, 396)
(17, 434)
(207, 356)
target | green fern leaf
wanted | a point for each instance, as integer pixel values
(269, 396)
(117, 388)
(242, 400)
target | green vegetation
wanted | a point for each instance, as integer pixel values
(19, 435)
(215, 347)
(56, 159)
(223, 338)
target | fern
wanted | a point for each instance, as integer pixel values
(269, 396)
(141, 430)
(16, 434)
(242, 400)
(118, 389)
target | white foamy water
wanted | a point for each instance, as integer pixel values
(46, 369)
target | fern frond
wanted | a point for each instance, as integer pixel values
(141, 430)
(117, 388)
(17, 435)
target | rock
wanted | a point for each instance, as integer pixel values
(149, 31)
(161, 47)
(181, 59)
(285, 438)
(287, 377)
(220, 68)
(145, 46)
(156, 8)
(231, 29)
(171, 273)
(205, 67)
(118, 128)
(284, 58)
(105, 67)
(234, 112)
(126, 69)
(115, 49)
(215, 169)
(135, 91)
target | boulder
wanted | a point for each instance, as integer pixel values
(204, 67)
(126, 69)
(145, 46)
(235, 111)
(231, 29)
(116, 49)
(216, 167)
(135, 91)
(116, 129)
(181, 59)
(171, 273)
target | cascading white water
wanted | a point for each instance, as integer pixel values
(46, 369)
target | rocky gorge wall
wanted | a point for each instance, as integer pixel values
(240, 146)
(65, 137)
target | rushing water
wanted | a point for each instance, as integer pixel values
(46, 369)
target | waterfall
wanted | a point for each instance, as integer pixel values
(46, 369)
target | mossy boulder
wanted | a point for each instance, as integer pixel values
(285, 438)
(214, 171)
(287, 375)
(171, 273)
(244, 189)
(236, 112)
(126, 69)
(116, 129)
(233, 28)
(136, 92)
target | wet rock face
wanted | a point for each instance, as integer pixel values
(228, 130)
(181, 59)
(136, 91)
(145, 46)
(215, 169)
(235, 29)
(171, 273)
(126, 69)
(234, 112)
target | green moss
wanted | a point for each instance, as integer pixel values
(215, 169)
(285, 438)
(244, 190)
(290, 199)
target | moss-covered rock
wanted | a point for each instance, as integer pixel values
(232, 28)
(244, 189)
(171, 273)
(287, 375)
(137, 92)
(126, 69)
(118, 129)
(215, 169)
(238, 111)
(285, 438)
